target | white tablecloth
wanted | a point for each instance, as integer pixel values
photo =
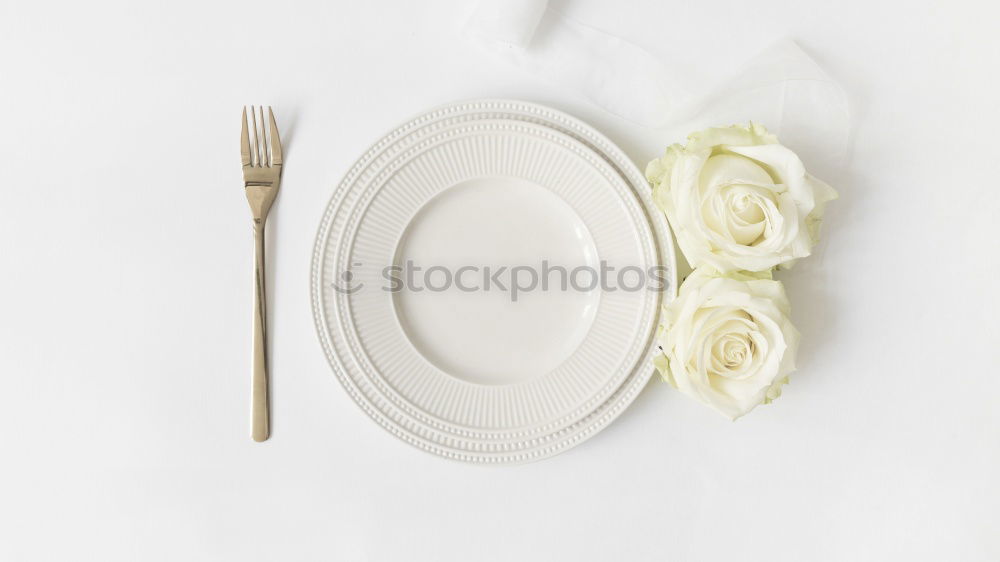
(125, 317)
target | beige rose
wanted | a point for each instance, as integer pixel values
(727, 340)
(738, 200)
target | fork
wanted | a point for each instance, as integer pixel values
(261, 179)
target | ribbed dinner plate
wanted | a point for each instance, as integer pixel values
(457, 285)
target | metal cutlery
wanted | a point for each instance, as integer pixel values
(260, 150)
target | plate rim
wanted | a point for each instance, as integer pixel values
(579, 430)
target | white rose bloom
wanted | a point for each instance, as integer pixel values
(738, 200)
(727, 340)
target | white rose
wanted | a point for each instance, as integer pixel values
(738, 200)
(727, 340)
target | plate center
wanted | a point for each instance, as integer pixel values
(494, 283)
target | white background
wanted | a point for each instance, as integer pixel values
(125, 287)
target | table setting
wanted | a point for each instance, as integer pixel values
(523, 279)
(505, 185)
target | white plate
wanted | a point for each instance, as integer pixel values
(477, 375)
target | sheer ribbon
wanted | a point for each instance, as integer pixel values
(782, 87)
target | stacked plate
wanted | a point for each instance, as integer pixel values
(487, 281)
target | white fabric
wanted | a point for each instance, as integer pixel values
(620, 76)
(126, 292)
(782, 87)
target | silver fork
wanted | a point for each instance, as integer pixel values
(261, 179)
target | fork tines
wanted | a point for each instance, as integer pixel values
(265, 149)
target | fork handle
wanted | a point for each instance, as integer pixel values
(259, 398)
